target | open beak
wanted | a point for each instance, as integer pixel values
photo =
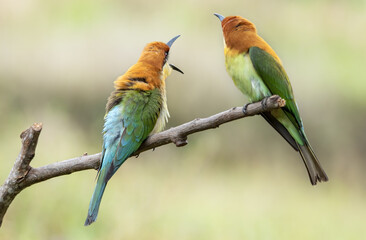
(170, 43)
(219, 16)
(175, 68)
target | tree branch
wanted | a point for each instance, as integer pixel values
(23, 175)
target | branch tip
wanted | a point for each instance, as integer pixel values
(276, 100)
(281, 102)
(37, 127)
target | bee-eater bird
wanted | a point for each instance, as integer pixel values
(258, 73)
(135, 109)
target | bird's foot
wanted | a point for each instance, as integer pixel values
(264, 103)
(245, 108)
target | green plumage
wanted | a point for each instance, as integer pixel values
(276, 80)
(130, 118)
(258, 75)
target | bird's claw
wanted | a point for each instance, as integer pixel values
(245, 108)
(264, 102)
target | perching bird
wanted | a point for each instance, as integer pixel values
(136, 108)
(258, 73)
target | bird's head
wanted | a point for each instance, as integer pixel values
(151, 69)
(157, 54)
(236, 29)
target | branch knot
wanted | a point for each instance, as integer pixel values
(180, 140)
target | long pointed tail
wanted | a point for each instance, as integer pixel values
(96, 199)
(315, 170)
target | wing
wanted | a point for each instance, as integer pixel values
(276, 79)
(127, 125)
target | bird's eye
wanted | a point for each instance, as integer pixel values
(238, 25)
(165, 58)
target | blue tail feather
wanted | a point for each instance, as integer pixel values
(106, 171)
(96, 199)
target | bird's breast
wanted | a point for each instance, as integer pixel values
(164, 113)
(245, 77)
(167, 70)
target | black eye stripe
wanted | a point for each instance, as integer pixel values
(142, 79)
(166, 58)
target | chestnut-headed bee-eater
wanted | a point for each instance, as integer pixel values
(258, 73)
(135, 109)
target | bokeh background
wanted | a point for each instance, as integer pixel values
(58, 61)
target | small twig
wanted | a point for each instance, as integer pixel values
(23, 175)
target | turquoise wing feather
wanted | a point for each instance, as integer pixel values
(127, 125)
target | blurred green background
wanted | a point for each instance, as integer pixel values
(58, 61)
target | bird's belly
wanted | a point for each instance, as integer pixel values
(241, 70)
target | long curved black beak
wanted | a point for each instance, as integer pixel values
(219, 16)
(170, 43)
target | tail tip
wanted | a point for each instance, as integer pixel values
(323, 178)
(89, 220)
